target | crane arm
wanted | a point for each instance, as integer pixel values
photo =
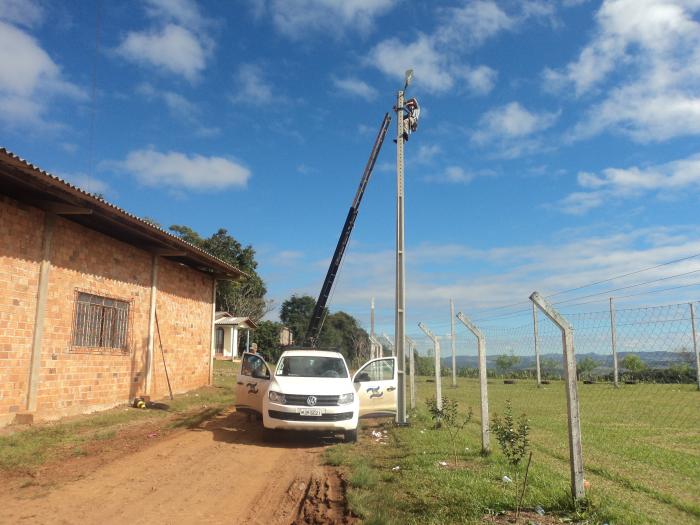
(317, 318)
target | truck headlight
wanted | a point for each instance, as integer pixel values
(276, 397)
(344, 399)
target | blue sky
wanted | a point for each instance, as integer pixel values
(557, 145)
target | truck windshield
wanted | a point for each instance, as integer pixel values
(311, 366)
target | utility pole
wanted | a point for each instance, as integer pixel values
(453, 341)
(400, 314)
(537, 345)
(371, 318)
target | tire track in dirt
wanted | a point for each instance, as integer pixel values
(220, 472)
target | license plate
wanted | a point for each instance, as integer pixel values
(310, 412)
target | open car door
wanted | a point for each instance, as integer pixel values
(375, 386)
(252, 383)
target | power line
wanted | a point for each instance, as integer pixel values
(627, 287)
(560, 292)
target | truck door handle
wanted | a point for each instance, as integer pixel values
(239, 382)
(391, 389)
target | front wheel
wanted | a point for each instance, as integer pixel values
(351, 436)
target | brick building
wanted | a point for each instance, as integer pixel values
(88, 296)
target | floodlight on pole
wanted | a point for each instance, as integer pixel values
(407, 79)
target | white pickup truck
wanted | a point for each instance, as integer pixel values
(312, 390)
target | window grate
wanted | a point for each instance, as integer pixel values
(100, 322)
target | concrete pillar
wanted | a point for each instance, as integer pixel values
(151, 327)
(234, 343)
(212, 349)
(42, 292)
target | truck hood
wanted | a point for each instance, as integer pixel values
(325, 386)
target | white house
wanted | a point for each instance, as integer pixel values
(227, 328)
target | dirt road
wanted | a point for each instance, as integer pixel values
(220, 472)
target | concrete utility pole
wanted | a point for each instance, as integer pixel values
(574, 418)
(695, 344)
(400, 314)
(371, 318)
(453, 342)
(483, 382)
(438, 377)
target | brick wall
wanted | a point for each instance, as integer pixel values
(20, 256)
(73, 381)
(184, 318)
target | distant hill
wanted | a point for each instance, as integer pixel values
(652, 359)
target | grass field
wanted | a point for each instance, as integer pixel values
(641, 447)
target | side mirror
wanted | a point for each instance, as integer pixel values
(360, 378)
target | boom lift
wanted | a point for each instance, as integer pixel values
(317, 318)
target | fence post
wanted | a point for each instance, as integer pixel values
(695, 344)
(574, 420)
(438, 378)
(613, 343)
(537, 344)
(391, 345)
(412, 371)
(453, 342)
(483, 388)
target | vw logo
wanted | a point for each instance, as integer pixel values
(311, 400)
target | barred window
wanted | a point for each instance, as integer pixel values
(100, 322)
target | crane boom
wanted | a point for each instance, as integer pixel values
(317, 318)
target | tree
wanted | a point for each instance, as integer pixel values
(633, 363)
(505, 362)
(267, 337)
(243, 298)
(340, 330)
(295, 314)
(585, 367)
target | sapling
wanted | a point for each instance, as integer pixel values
(512, 436)
(449, 418)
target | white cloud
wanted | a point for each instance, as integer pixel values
(179, 170)
(251, 85)
(437, 57)
(642, 66)
(510, 128)
(183, 12)
(427, 152)
(394, 57)
(302, 18)
(473, 23)
(86, 182)
(513, 120)
(355, 87)
(171, 48)
(508, 274)
(458, 175)
(30, 79)
(25, 13)
(179, 107)
(617, 184)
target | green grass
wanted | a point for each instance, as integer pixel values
(641, 447)
(24, 449)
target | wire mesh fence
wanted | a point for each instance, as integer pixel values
(637, 386)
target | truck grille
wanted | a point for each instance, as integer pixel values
(292, 416)
(321, 401)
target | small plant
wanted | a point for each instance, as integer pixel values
(513, 437)
(449, 418)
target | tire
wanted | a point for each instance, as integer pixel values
(351, 436)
